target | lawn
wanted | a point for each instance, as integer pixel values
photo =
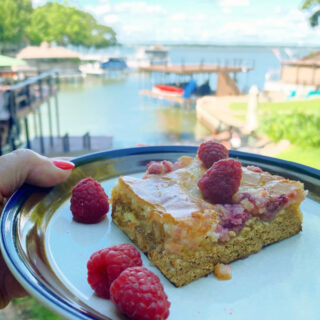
(303, 155)
(28, 308)
(308, 155)
(312, 106)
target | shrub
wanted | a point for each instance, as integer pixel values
(299, 128)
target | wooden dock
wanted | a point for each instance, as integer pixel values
(193, 69)
(226, 84)
(71, 145)
(27, 98)
(21, 100)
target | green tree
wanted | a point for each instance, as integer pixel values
(14, 17)
(55, 22)
(313, 6)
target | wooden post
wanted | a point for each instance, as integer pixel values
(26, 127)
(41, 132)
(35, 127)
(0, 142)
(50, 123)
(57, 115)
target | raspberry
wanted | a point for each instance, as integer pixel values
(139, 294)
(210, 152)
(89, 202)
(221, 181)
(105, 265)
(254, 169)
(156, 167)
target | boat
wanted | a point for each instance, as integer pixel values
(184, 89)
(146, 56)
(99, 66)
(164, 88)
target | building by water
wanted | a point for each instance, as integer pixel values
(45, 58)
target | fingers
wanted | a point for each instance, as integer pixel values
(9, 286)
(26, 166)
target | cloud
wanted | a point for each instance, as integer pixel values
(111, 19)
(207, 22)
(139, 8)
(234, 3)
(101, 9)
(180, 16)
(36, 3)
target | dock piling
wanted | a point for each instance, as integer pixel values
(26, 128)
(41, 132)
(50, 124)
(57, 115)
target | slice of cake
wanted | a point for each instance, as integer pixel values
(184, 234)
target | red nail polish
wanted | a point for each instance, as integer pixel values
(64, 165)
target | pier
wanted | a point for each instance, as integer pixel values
(226, 84)
(21, 100)
(25, 100)
(192, 69)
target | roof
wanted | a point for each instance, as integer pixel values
(10, 62)
(310, 60)
(46, 52)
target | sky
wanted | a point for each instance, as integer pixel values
(263, 22)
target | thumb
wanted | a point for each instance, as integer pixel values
(25, 166)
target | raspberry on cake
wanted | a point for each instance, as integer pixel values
(183, 229)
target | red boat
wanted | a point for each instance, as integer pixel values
(168, 89)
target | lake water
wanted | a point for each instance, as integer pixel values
(114, 108)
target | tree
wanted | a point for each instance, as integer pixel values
(314, 7)
(14, 17)
(54, 22)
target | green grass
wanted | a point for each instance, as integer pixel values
(303, 105)
(307, 156)
(31, 309)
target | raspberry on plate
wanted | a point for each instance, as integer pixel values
(139, 294)
(210, 152)
(89, 202)
(105, 265)
(221, 181)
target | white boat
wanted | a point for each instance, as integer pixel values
(146, 56)
(100, 66)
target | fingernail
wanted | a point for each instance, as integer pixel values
(64, 165)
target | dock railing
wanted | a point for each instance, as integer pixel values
(25, 98)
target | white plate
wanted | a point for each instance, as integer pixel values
(48, 251)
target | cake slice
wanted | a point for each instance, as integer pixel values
(185, 236)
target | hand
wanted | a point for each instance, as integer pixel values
(17, 168)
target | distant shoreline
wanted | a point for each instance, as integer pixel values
(225, 45)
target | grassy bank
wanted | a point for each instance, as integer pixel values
(307, 154)
(312, 106)
(29, 308)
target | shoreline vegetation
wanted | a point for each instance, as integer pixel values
(296, 121)
(226, 45)
(51, 22)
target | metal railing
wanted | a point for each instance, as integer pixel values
(25, 98)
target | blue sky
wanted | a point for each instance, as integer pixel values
(204, 21)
